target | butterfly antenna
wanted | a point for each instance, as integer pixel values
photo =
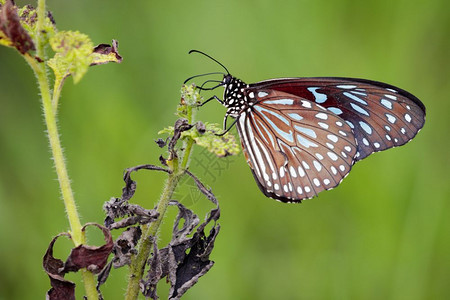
(195, 76)
(203, 53)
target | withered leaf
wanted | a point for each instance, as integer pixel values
(190, 221)
(117, 208)
(202, 188)
(182, 269)
(201, 128)
(130, 185)
(125, 246)
(105, 53)
(12, 32)
(54, 267)
(91, 257)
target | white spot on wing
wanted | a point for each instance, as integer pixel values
(306, 104)
(316, 182)
(301, 172)
(386, 103)
(317, 165)
(332, 156)
(323, 125)
(305, 165)
(391, 118)
(262, 94)
(332, 138)
(292, 171)
(346, 86)
(321, 116)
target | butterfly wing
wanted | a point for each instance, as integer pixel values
(381, 116)
(295, 147)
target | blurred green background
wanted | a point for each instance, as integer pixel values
(383, 234)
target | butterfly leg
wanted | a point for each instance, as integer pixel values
(225, 126)
(213, 97)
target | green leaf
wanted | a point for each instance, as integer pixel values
(72, 54)
(28, 19)
(219, 145)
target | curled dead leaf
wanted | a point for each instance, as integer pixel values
(94, 258)
(54, 267)
(12, 33)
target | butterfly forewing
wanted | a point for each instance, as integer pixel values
(295, 147)
(381, 116)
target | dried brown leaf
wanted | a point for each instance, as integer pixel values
(62, 289)
(94, 258)
(12, 32)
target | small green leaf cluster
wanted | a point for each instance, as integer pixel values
(73, 51)
(204, 135)
(72, 54)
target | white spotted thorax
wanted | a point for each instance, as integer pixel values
(235, 99)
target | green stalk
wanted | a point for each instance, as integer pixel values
(188, 145)
(150, 231)
(39, 69)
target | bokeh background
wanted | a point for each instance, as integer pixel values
(383, 234)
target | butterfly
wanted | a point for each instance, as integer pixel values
(301, 136)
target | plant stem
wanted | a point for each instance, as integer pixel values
(150, 231)
(188, 145)
(57, 87)
(39, 69)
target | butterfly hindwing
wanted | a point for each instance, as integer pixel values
(295, 147)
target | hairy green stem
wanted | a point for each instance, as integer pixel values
(39, 69)
(149, 232)
(57, 87)
(188, 145)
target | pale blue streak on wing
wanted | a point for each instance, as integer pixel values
(295, 116)
(280, 101)
(287, 136)
(277, 115)
(366, 127)
(319, 97)
(335, 110)
(306, 131)
(359, 109)
(305, 143)
(358, 93)
(354, 98)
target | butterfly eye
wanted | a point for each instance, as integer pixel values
(227, 79)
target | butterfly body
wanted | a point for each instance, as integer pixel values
(302, 135)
